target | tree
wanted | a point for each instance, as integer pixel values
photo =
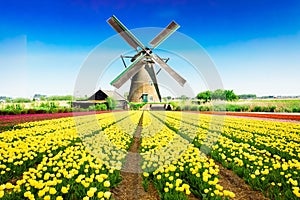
(247, 96)
(8, 100)
(43, 98)
(183, 97)
(218, 94)
(230, 96)
(205, 96)
(111, 103)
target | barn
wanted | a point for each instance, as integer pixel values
(100, 97)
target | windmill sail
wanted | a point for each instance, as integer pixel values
(124, 32)
(171, 28)
(168, 69)
(128, 72)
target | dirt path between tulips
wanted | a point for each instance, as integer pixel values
(232, 182)
(131, 187)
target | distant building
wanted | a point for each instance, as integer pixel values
(100, 97)
(38, 97)
(2, 99)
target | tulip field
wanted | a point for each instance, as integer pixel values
(8, 121)
(82, 157)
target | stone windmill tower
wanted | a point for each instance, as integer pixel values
(144, 85)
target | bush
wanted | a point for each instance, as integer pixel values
(237, 108)
(257, 109)
(186, 107)
(218, 107)
(174, 105)
(264, 109)
(194, 108)
(100, 107)
(270, 109)
(296, 109)
(136, 106)
(205, 108)
(232, 108)
(245, 108)
(178, 108)
(90, 108)
(52, 110)
(64, 110)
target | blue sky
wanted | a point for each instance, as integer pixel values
(254, 44)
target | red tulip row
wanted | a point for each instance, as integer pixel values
(7, 122)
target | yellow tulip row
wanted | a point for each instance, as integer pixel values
(260, 169)
(240, 147)
(156, 135)
(176, 167)
(77, 157)
(283, 140)
(24, 147)
(58, 176)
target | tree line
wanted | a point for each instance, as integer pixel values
(219, 94)
(42, 98)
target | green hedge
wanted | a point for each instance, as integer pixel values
(98, 107)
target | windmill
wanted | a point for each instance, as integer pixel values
(144, 83)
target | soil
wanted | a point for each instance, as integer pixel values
(232, 182)
(131, 187)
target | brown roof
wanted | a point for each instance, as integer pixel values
(115, 95)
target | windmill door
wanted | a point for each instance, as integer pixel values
(145, 97)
